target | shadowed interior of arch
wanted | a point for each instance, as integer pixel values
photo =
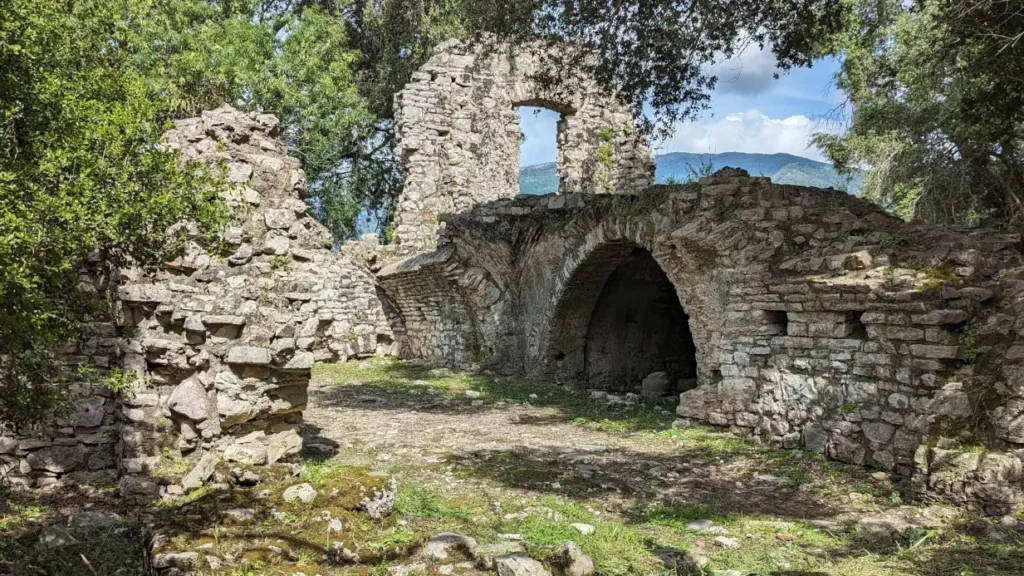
(618, 321)
(638, 328)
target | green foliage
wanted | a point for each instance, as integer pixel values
(969, 341)
(296, 62)
(938, 108)
(656, 52)
(280, 261)
(80, 173)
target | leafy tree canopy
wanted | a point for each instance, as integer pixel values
(80, 170)
(937, 95)
(657, 52)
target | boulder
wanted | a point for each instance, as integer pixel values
(189, 399)
(252, 454)
(442, 546)
(54, 537)
(574, 562)
(519, 564)
(486, 554)
(584, 529)
(304, 493)
(655, 385)
(183, 561)
(94, 519)
(284, 443)
(201, 472)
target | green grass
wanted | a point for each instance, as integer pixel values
(412, 383)
(640, 525)
(777, 534)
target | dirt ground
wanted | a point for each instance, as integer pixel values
(515, 465)
(529, 449)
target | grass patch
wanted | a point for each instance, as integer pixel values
(413, 384)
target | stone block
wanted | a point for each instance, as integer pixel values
(879, 432)
(56, 459)
(144, 294)
(935, 351)
(940, 317)
(251, 454)
(248, 355)
(655, 385)
(89, 411)
(190, 400)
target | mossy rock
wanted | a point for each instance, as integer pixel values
(285, 534)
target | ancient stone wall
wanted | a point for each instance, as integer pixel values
(222, 345)
(82, 443)
(818, 321)
(459, 135)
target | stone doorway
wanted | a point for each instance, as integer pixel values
(620, 326)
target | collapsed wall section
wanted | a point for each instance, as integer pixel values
(221, 344)
(459, 135)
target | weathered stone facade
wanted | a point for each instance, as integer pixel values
(220, 345)
(817, 320)
(223, 346)
(459, 135)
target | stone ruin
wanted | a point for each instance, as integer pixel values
(220, 345)
(459, 135)
(805, 317)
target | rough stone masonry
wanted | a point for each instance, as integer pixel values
(810, 318)
(220, 345)
(806, 317)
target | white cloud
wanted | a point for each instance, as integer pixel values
(749, 74)
(749, 131)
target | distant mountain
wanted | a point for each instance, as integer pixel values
(680, 167)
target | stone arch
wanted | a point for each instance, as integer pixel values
(621, 257)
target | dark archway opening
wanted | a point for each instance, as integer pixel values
(638, 328)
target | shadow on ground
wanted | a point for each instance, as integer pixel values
(394, 386)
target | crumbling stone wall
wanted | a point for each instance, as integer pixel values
(459, 135)
(222, 345)
(818, 320)
(82, 443)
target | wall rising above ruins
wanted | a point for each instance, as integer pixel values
(459, 135)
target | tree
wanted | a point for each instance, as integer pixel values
(656, 52)
(937, 96)
(292, 59)
(80, 171)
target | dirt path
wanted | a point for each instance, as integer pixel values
(511, 451)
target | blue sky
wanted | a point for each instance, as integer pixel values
(750, 112)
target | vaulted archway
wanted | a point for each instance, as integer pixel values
(620, 320)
